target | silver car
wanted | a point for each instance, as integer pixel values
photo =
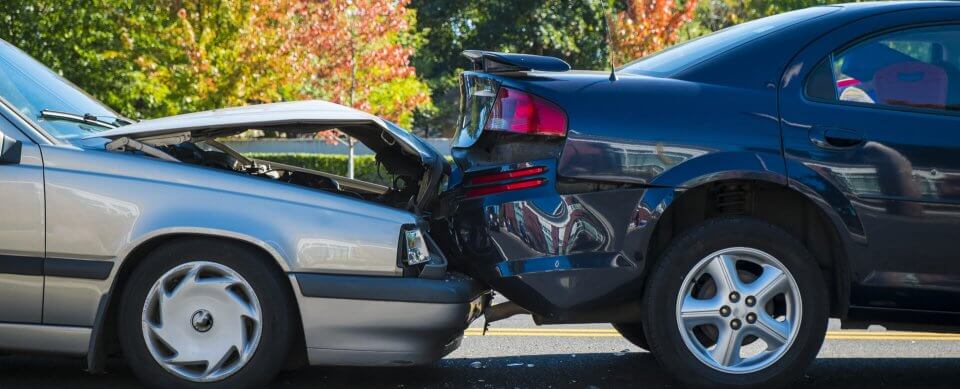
(202, 266)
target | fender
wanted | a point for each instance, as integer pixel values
(96, 354)
(729, 165)
(655, 201)
(270, 248)
(717, 167)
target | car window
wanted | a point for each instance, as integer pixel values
(29, 87)
(917, 68)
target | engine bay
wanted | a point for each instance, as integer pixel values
(403, 171)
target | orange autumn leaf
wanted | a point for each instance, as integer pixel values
(647, 26)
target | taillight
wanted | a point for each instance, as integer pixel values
(497, 180)
(488, 178)
(485, 190)
(524, 113)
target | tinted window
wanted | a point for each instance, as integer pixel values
(30, 88)
(695, 51)
(915, 68)
(821, 85)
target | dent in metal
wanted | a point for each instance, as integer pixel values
(370, 332)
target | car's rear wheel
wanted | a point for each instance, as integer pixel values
(205, 313)
(736, 302)
(633, 332)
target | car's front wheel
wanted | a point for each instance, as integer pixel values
(736, 302)
(205, 313)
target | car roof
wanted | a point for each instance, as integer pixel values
(897, 4)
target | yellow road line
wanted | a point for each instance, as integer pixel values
(604, 333)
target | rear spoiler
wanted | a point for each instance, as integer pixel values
(494, 62)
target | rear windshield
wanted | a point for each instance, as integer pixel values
(679, 57)
(477, 95)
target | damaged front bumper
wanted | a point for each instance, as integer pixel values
(353, 320)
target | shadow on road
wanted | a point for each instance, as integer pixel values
(637, 370)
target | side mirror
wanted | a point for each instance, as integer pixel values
(9, 149)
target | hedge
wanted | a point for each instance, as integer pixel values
(364, 166)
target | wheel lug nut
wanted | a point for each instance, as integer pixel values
(735, 324)
(734, 296)
(750, 300)
(724, 311)
(751, 318)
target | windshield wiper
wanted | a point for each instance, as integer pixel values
(77, 118)
(123, 121)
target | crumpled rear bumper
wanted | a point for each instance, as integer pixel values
(385, 321)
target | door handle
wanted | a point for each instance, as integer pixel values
(835, 138)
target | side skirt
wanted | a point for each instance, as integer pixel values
(45, 339)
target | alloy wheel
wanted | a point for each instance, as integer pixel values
(739, 310)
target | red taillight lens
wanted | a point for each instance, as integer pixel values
(485, 190)
(486, 179)
(524, 113)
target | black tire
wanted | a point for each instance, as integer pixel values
(273, 292)
(682, 255)
(633, 332)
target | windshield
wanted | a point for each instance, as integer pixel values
(30, 88)
(679, 57)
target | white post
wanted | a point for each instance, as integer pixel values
(350, 143)
(353, 86)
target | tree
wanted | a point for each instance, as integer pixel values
(357, 53)
(569, 29)
(647, 26)
(716, 14)
(164, 57)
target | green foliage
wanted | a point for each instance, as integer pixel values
(149, 58)
(89, 42)
(164, 57)
(569, 29)
(365, 168)
(713, 15)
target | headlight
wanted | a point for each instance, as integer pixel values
(416, 247)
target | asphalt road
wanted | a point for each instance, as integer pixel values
(517, 354)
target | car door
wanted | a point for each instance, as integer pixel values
(874, 108)
(21, 230)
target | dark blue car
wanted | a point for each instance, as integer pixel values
(719, 201)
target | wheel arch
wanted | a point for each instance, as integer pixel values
(103, 338)
(796, 209)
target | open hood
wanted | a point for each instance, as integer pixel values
(200, 126)
(380, 135)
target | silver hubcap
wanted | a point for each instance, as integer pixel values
(201, 321)
(739, 310)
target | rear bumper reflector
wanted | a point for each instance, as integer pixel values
(491, 189)
(512, 174)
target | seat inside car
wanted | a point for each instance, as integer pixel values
(941, 57)
(912, 83)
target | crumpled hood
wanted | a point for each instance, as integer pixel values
(316, 114)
